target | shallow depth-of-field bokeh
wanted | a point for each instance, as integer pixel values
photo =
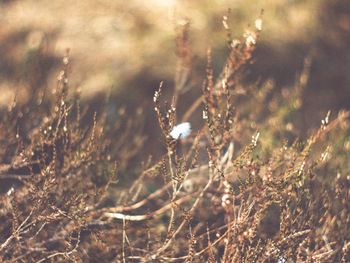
(127, 48)
(90, 168)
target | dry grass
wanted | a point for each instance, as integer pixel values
(241, 188)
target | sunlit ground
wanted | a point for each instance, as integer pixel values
(112, 41)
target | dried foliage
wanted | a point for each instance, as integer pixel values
(241, 189)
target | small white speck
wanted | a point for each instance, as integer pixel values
(181, 130)
(258, 24)
(281, 259)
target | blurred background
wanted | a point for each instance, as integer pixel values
(126, 48)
